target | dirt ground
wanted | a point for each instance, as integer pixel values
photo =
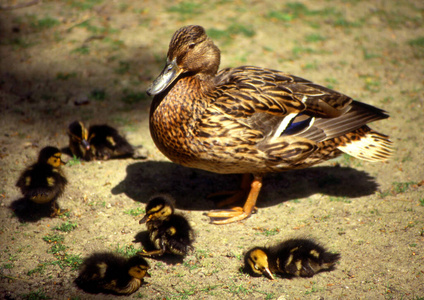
(57, 55)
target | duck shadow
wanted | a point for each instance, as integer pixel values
(143, 238)
(27, 211)
(188, 186)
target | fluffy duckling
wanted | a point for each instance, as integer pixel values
(79, 143)
(294, 257)
(44, 181)
(169, 232)
(100, 142)
(111, 273)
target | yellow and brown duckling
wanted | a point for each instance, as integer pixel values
(294, 257)
(99, 142)
(251, 120)
(44, 181)
(169, 232)
(110, 273)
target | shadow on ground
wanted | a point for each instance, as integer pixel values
(188, 186)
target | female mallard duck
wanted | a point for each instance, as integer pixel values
(294, 257)
(100, 142)
(168, 232)
(251, 120)
(44, 181)
(110, 273)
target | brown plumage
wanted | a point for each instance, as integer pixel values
(99, 142)
(251, 120)
(294, 257)
(44, 181)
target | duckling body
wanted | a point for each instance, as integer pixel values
(251, 120)
(169, 232)
(44, 181)
(294, 257)
(99, 142)
(111, 273)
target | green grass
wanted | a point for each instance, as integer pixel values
(340, 199)
(54, 238)
(131, 97)
(269, 232)
(127, 250)
(44, 23)
(66, 227)
(84, 4)
(417, 46)
(65, 76)
(331, 82)
(314, 38)
(57, 249)
(98, 94)
(38, 269)
(372, 83)
(73, 161)
(401, 187)
(186, 9)
(227, 35)
(83, 50)
(135, 211)
(72, 261)
(37, 295)
(124, 67)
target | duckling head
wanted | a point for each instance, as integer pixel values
(51, 156)
(158, 208)
(257, 260)
(138, 267)
(79, 134)
(190, 51)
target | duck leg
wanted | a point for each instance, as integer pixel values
(234, 195)
(239, 213)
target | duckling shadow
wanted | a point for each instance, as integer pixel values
(143, 238)
(190, 187)
(28, 211)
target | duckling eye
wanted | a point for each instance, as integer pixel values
(191, 46)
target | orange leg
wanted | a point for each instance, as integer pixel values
(239, 213)
(236, 195)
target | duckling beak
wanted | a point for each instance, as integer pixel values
(166, 77)
(85, 144)
(144, 220)
(268, 273)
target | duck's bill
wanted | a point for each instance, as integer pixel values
(268, 273)
(144, 220)
(166, 77)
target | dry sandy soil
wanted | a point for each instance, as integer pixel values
(57, 54)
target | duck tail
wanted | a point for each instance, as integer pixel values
(367, 144)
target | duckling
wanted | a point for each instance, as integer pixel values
(110, 273)
(44, 181)
(79, 143)
(169, 232)
(98, 142)
(294, 257)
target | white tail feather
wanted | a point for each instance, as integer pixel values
(372, 147)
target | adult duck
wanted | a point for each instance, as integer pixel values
(251, 120)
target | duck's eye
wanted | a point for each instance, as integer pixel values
(191, 46)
